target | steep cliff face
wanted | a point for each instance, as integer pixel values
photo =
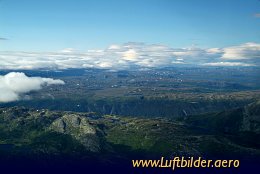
(79, 128)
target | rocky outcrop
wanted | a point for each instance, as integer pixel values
(79, 128)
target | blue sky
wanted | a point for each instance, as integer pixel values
(50, 25)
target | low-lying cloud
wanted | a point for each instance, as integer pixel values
(133, 54)
(13, 85)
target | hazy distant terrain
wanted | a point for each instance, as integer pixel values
(166, 92)
(92, 117)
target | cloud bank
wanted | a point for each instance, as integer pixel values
(13, 85)
(130, 55)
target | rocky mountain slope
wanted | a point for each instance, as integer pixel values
(46, 134)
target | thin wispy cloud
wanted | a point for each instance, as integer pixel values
(257, 15)
(133, 55)
(2, 38)
(228, 64)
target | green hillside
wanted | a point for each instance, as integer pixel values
(43, 134)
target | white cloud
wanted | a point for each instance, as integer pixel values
(228, 64)
(245, 51)
(68, 50)
(130, 55)
(114, 47)
(13, 85)
(214, 51)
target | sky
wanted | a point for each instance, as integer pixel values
(81, 33)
